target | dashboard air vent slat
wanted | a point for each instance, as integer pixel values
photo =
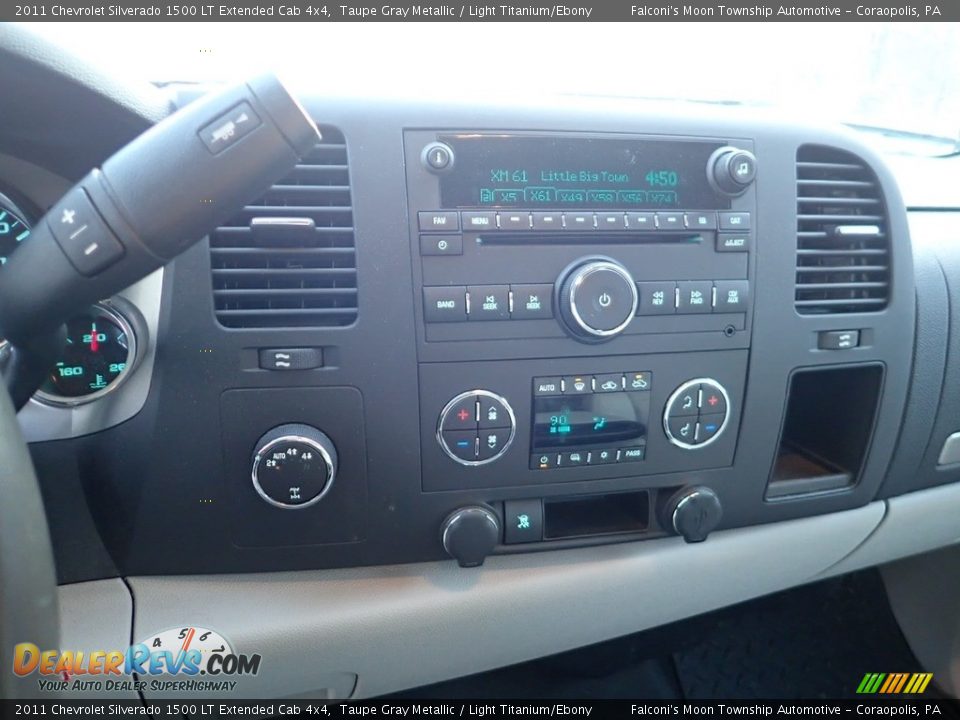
(289, 259)
(843, 253)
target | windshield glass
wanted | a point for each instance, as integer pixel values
(896, 76)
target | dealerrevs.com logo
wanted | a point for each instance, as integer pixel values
(189, 659)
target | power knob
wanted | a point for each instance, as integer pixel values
(732, 170)
(693, 513)
(469, 534)
(294, 466)
(597, 298)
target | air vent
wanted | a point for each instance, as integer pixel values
(843, 252)
(289, 260)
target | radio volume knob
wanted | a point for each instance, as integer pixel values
(597, 299)
(732, 170)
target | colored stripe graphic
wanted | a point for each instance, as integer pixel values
(894, 683)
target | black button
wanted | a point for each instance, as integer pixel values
(292, 483)
(611, 221)
(603, 457)
(437, 156)
(461, 443)
(82, 235)
(578, 221)
(544, 461)
(462, 416)
(493, 414)
(441, 245)
(610, 382)
(493, 441)
(531, 302)
(742, 167)
(547, 221)
(709, 426)
(838, 339)
(711, 400)
(734, 221)
(438, 221)
(489, 302)
(732, 296)
(547, 386)
(639, 381)
(683, 429)
(291, 358)
(445, 304)
(479, 221)
(514, 220)
(733, 242)
(669, 221)
(695, 297)
(577, 385)
(522, 521)
(641, 221)
(657, 298)
(686, 404)
(603, 299)
(633, 454)
(700, 221)
(573, 458)
(229, 128)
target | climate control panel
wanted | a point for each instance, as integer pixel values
(476, 427)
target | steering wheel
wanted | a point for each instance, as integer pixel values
(229, 147)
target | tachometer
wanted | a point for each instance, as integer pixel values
(14, 228)
(99, 354)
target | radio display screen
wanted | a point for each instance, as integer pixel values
(590, 420)
(531, 171)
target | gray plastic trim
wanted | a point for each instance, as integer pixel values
(41, 422)
(402, 626)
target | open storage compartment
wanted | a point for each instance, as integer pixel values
(627, 512)
(827, 429)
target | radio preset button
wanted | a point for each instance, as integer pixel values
(479, 221)
(547, 386)
(441, 245)
(514, 221)
(532, 302)
(547, 221)
(734, 221)
(641, 221)
(733, 242)
(669, 221)
(489, 302)
(445, 304)
(578, 221)
(695, 297)
(610, 382)
(438, 220)
(657, 298)
(611, 221)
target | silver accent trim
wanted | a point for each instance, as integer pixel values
(676, 393)
(133, 359)
(683, 500)
(331, 470)
(580, 275)
(282, 221)
(455, 517)
(462, 396)
(857, 230)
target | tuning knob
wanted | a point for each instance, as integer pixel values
(597, 299)
(731, 170)
(693, 513)
(294, 466)
(469, 534)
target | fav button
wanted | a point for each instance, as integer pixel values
(438, 220)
